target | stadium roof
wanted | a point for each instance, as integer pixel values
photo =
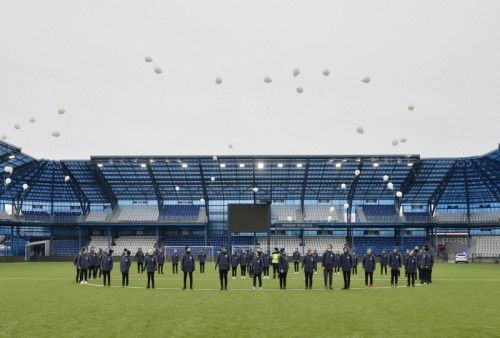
(472, 181)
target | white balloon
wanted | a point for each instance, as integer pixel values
(357, 172)
(343, 186)
(332, 209)
(360, 130)
(289, 218)
(8, 170)
(218, 80)
(25, 186)
(61, 111)
(214, 158)
(56, 134)
(212, 179)
(329, 218)
(403, 140)
(408, 155)
(177, 188)
(399, 194)
(300, 90)
(148, 59)
(346, 206)
(202, 200)
(411, 107)
(366, 79)
(4, 137)
(395, 142)
(158, 70)
(66, 178)
(230, 146)
(8, 180)
(296, 72)
(17, 126)
(267, 79)
(326, 72)
(32, 119)
(385, 178)
(390, 185)
(255, 189)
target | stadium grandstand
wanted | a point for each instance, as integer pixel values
(364, 201)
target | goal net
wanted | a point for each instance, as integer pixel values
(34, 249)
(195, 250)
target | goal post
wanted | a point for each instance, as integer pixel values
(168, 251)
(33, 249)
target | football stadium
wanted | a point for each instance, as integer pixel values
(263, 169)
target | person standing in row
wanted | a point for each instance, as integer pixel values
(407, 253)
(139, 258)
(100, 256)
(188, 267)
(355, 262)
(83, 265)
(107, 267)
(425, 265)
(75, 263)
(151, 264)
(93, 263)
(316, 258)
(223, 262)
(296, 261)
(346, 263)
(328, 264)
(175, 262)
(308, 265)
(395, 262)
(383, 262)
(369, 265)
(251, 256)
(243, 264)
(411, 268)
(234, 264)
(282, 268)
(337, 263)
(257, 266)
(125, 263)
(274, 261)
(202, 258)
(266, 260)
(418, 255)
(161, 261)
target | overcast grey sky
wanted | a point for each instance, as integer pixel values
(87, 57)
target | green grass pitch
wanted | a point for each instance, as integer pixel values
(43, 300)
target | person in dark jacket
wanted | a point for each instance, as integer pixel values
(100, 255)
(429, 276)
(266, 264)
(150, 265)
(346, 263)
(369, 265)
(234, 264)
(355, 262)
(425, 265)
(274, 261)
(337, 263)
(188, 267)
(308, 264)
(75, 263)
(107, 267)
(395, 262)
(202, 258)
(283, 268)
(125, 263)
(139, 258)
(411, 268)
(407, 253)
(93, 263)
(316, 257)
(83, 265)
(175, 262)
(383, 262)
(257, 266)
(418, 255)
(243, 264)
(250, 258)
(161, 261)
(328, 263)
(223, 262)
(296, 261)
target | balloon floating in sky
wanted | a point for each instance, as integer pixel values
(25, 186)
(267, 79)
(300, 90)
(61, 111)
(346, 206)
(158, 70)
(332, 209)
(8, 170)
(385, 178)
(390, 185)
(212, 179)
(218, 80)
(326, 72)
(56, 134)
(255, 189)
(360, 130)
(214, 158)
(357, 172)
(296, 72)
(399, 194)
(66, 178)
(148, 59)
(411, 108)
(177, 188)
(4, 137)
(32, 119)
(343, 186)
(395, 142)
(403, 139)
(329, 218)
(289, 218)
(17, 126)
(8, 181)
(366, 79)
(230, 146)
